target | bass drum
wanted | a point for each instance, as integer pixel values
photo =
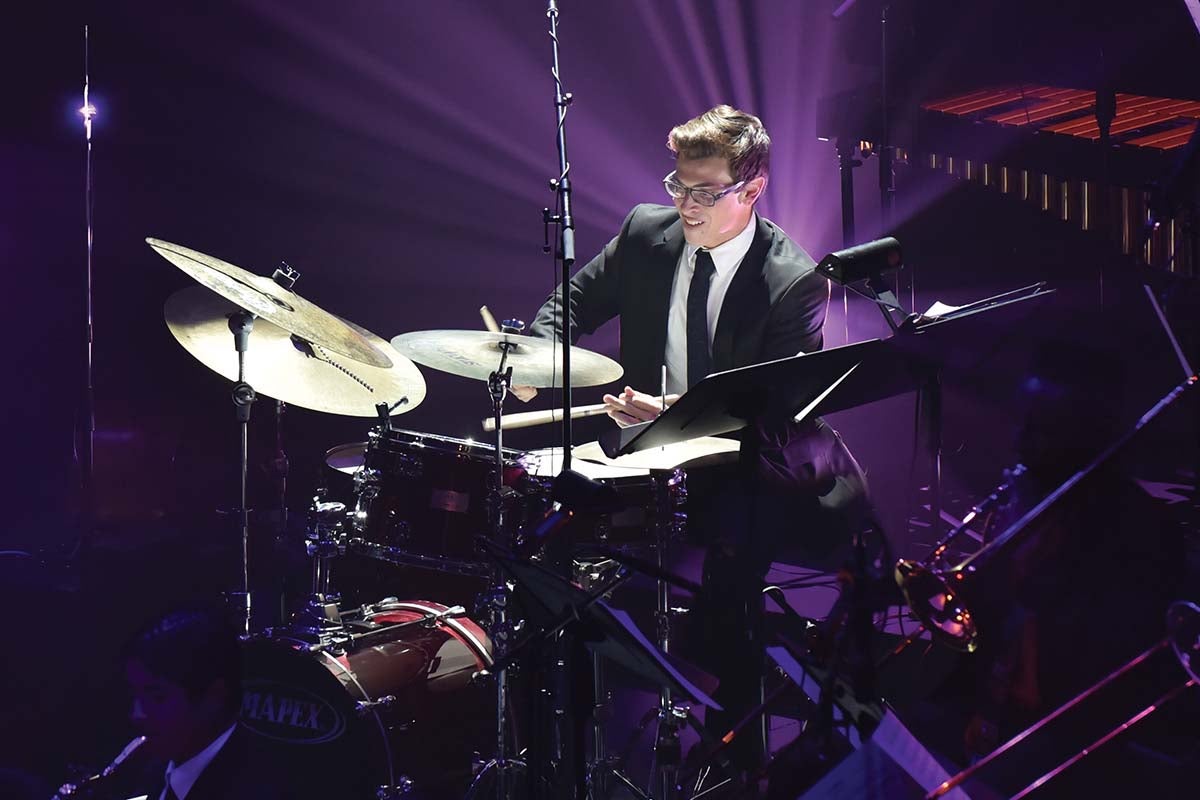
(389, 701)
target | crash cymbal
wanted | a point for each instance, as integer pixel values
(283, 366)
(476, 354)
(268, 300)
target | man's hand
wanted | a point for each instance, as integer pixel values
(631, 407)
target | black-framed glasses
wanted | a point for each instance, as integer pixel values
(705, 197)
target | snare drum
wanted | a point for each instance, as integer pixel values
(389, 698)
(650, 502)
(422, 499)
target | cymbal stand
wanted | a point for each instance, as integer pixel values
(240, 325)
(504, 768)
(325, 540)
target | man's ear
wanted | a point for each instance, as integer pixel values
(753, 190)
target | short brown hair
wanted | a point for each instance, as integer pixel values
(723, 131)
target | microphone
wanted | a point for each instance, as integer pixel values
(862, 261)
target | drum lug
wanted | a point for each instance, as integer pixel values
(401, 530)
(409, 466)
(400, 788)
(364, 707)
(367, 478)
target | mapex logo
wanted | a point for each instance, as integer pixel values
(288, 713)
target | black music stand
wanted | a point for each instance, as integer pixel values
(832, 380)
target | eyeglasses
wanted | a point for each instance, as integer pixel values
(705, 197)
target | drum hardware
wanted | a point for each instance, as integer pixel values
(669, 716)
(933, 596)
(501, 765)
(548, 635)
(324, 541)
(1183, 638)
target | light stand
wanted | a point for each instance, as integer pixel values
(86, 456)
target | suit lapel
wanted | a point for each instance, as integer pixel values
(740, 299)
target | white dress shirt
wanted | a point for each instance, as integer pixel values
(183, 777)
(726, 258)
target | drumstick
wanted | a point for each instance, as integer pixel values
(527, 419)
(489, 321)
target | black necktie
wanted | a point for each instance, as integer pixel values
(698, 359)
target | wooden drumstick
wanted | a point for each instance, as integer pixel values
(489, 321)
(527, 419)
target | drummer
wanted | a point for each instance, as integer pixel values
(705, 285)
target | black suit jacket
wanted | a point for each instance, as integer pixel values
(774, 307)
(241, 770)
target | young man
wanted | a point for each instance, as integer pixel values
(184, 676)
(703, 286)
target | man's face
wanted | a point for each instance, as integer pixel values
(709, 226)
(172, 721)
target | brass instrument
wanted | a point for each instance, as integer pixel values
(73, 789)
(931, 590)
(1183, 636)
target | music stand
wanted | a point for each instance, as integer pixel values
(830, 380)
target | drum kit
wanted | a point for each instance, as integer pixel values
(380, 680)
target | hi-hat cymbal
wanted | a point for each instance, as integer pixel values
(266, 299)
(476, 354)
(283, 366)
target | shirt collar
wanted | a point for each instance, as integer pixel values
(728, 255)
(184, 777)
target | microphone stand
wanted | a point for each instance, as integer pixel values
(565, 252)
(565, 738)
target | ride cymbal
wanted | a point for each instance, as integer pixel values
(476, 354)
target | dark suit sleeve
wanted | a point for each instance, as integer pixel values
(595, 293)
(796, 320)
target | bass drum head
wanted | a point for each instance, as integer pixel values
(305, 717)
(394, 700)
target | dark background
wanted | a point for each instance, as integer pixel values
(397, 155)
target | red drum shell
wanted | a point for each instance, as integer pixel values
(328, 711)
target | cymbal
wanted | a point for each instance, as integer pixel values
(476, 354)
(283, 366)
(268, 300)
(347, 458)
